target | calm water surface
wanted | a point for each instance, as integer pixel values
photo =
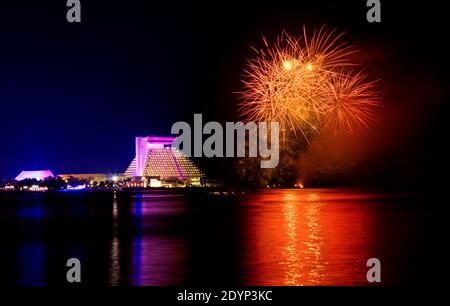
(274, 237)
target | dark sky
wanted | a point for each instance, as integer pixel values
(74, 96)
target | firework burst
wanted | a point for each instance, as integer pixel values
(349, 101)
(307, 82)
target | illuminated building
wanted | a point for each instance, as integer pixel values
(156, 158)
(38, 175)
(98, 177)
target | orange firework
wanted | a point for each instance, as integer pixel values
(301, 82)
(349, 101)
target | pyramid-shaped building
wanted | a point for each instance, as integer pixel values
(156, 158)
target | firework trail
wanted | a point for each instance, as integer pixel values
(349, 101)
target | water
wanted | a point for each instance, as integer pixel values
(274, 237)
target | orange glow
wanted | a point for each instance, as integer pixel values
(306, 242)
(307, 82)
(299, 185)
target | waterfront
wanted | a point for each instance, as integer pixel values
(273, 237)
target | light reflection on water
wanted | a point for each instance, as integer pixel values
(31, 270)
(276, 237)
(114, 270)
(307, 237)
(155, 259)
(303, 258)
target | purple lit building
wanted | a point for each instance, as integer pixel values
(156, 158)
(38, 175)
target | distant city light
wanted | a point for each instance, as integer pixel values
(37, 188)
(155, 183)
(79, 187)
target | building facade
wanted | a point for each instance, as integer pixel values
(156, 158)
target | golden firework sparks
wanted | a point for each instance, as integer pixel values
(349, 101)
(307, 82)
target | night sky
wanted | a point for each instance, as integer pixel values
(74, 96)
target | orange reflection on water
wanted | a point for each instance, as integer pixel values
(310, 248)
(307, 237)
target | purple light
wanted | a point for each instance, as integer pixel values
(155, 157)
(38, 175)
(143, 144)
(166, 140)
(79, 187)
